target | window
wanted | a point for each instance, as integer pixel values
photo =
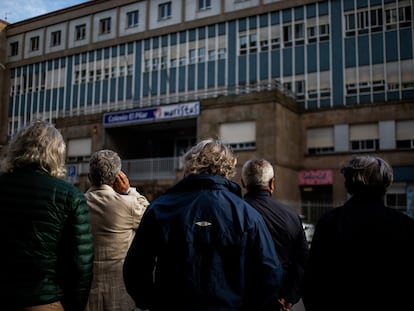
(251, 45)
(221, 53)
(396, 196)
(130, 70)
(55, 38)
(299, 35)
(364, 137)
(147, 64)
(122, 71)
(163, 62)
(404, 16)
(300, 89)
(264, 45)
(404, 133)
(83, 76)
(201, 54)
(91, 75)
(114, 72)
(204, 4)
(105, 25)
(98, 74)
(211, 54)
(79, 149)
(287, 35)
(106, 73)
(14, 48)
(323, 32)
(320, 140)
(155, 63)
(350, 24)
(243, 45)
(182, 61)
(80, 32)
(132, 19)
(192, 56)
(239, 135)
(362, 22)
(164, 10)
(34, 43)
(376, 20)
(312, 33)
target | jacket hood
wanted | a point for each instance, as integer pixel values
(205, 181)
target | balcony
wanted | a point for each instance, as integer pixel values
(135, 169)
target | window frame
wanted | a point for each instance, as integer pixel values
(132, 19)
(80, 32)
(164, 10)
(56, 38)
(105, 25)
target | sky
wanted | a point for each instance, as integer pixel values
(14, 11)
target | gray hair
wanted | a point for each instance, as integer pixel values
(104, 166)
(367, 174)
(40, 145)
(210, 156)
(257, 173)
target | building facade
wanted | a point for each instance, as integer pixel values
(305, 84)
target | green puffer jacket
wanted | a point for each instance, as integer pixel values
(47, 248)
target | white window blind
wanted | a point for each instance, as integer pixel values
(320, 137)
(363, 131)
(407, 70)
(364, 74)
(392, 72)
(79, 147)
(405, 130)
(325, 79)
(350, 74)
(240, 132)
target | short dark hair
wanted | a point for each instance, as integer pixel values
(367, 174)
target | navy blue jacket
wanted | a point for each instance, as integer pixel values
(210, 250)
(289, 238)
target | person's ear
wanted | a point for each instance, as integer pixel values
(272, 184)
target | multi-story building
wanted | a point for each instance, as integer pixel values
(304, 84)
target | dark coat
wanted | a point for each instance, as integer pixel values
(289, 237)
(361, 258)
(210, 249)
(47, 249)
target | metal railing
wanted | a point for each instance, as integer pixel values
(136, 169)
(152, 168)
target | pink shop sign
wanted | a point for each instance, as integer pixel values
(316, 177)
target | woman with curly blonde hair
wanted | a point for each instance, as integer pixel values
(200, 246)
(39, 144)
(47, 248)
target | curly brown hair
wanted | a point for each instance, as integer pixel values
(210, 156)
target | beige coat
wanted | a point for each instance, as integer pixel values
(114, 219)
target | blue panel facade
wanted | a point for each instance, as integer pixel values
(287, 62)
(312, 60)
(406, 44)
(363, 51)
(377, 43)
(232, 54)
(299, 60)
(334, 37)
